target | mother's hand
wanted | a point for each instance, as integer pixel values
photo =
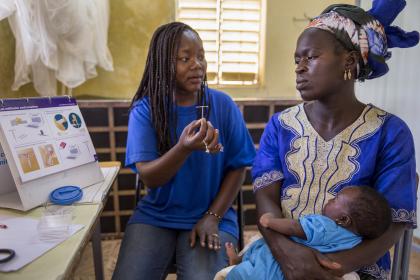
(207, 230)
(303, 263)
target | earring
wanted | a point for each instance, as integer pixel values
(347, 74)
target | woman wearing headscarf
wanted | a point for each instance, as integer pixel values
(309, 152)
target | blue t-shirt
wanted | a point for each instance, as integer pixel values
(322, 234)
(376, 150)
(181, 202)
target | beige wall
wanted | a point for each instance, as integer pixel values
(131, 26)
(281, 35)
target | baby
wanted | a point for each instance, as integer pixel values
(356, 213)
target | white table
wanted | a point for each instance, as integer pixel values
(59, 262)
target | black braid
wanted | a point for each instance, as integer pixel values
(159, 83)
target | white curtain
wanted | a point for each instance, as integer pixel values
(60, 40)
(398, 92)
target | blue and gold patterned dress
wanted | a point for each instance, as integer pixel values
(376, 150)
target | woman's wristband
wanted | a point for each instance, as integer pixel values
(208, 212)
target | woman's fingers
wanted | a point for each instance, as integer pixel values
(210, 240)
(213, 145)
(202, 131)
(202, 135)
(193, 237)
(216, 241)
(203, 239)
(217, 244)
(209, 134)
(327, 263)
(193, 126)
(197, 136)
(212, 140)
(265, 219)
(213, 241)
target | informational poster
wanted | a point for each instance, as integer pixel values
(44, 145)
(45, 136)
(5, 175)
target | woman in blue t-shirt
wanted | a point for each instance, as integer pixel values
(190, 145)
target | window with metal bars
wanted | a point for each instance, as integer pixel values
(232, 34)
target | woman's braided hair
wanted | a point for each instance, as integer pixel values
(159, 83)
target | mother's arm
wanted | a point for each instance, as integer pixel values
(369, 251)
(296, 261)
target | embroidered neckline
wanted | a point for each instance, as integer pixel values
(351, 126)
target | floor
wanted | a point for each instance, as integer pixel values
(85, 270)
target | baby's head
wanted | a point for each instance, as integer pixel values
(361, 210)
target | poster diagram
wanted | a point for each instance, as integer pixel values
(61, 122)
(73, 151)
(28, 160)
(75, 120)
(17, 121)
(27, 129)
(47, 138)
(35, 121)
(49, 157)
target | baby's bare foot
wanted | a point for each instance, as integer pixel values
(231, 253)
(265, 219)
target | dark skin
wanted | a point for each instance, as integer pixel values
(337, 209)
(190, 70)
(331, 107)
(319, 78)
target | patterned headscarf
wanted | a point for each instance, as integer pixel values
(369, 33)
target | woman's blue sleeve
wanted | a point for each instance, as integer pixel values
(240, 150)
(267, 167)
(395, 173)
(141, 138)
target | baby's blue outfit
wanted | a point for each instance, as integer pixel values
(322, 233)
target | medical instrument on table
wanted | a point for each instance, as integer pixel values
(56, 220)
(9, 255)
